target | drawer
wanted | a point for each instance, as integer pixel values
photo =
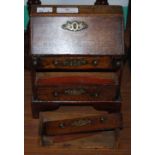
(76, 93)
(59, 123)
(76, 86)
(76, 62)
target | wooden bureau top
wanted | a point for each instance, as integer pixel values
(77, 30)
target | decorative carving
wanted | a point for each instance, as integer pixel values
(74, 25)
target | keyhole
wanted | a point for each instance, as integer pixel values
(75, 26)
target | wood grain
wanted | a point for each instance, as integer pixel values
(76, 87)
(60, 88)
(65, 62)
(73, 92)
(32, 145)
(37, 106)
(79, 124)
(91, 45)
(103, 36)
(102, 140)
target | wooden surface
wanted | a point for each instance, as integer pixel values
(96, 140)
(110, 106)
(78, 121)
(76, 87)
(32, 146)
(76, 62)
(103, 34)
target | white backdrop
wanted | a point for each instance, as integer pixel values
(82, 2)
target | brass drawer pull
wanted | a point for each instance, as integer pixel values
(74, 26)
(81, 122)
(75, 92)
(70, 62)
(75, 62)
(76, 123)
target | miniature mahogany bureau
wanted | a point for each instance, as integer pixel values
(77, 57)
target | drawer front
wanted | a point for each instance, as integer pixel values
(76, 62)
(97, 122)
(77, 93)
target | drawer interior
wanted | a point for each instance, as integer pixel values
(43, 78)
(66, 113)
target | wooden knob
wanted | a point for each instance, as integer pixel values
(55, 94)
(61, 125)
(118, 63)
(56, 62)
(103, 119)
(34, 61)
(95, 95)
(95, 62)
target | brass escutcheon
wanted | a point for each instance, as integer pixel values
(70, 62)
(74, 26)
(75, 91)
